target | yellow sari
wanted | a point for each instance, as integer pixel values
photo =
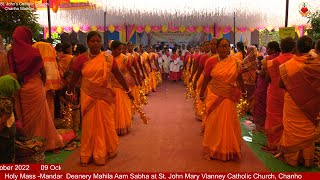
(53, 81)
(152, 76)
(134, 88)
(98, 138)
(222, 133)
(63, 63)
(145, 62)
(123, 110)
(300, 76)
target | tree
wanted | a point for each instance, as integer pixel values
(314, 20)
(10, 19)
(266, 36)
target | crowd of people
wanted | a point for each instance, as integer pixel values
(88, 89)
(39, 83)
(280, 88)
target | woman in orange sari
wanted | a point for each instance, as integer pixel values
(222, 134)
(4, 66)
(144, 60)
(200, 74)
(273, 124)
(53, 81)
(249, 66)
(153, 58)
(33, 113)
(64, 59)
(99, 139)
(122, 110)
(241, 54)
(134, 71)
(300, 77)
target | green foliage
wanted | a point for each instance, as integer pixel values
(314, 20)
(266, 36)
(10, 19)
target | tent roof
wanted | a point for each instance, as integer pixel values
(249, 13)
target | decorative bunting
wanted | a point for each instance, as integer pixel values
(111, 28)
(164, 28)
(147, 29)
(182, 29)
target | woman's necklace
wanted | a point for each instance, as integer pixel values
(92, 55)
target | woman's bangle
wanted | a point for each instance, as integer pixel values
(244, 92)
(69, 94)
(127, 92)
(201, 97)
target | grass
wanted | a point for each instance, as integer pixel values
(52, 158)
(273, 164)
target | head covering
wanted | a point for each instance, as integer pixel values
(263, 51)
(249, 61)
(8, 86)
(27, 59)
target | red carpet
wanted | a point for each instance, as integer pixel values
(171, 142)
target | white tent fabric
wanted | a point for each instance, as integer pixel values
(249, 13)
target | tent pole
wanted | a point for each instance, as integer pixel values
(214, 30)
(287, 13)
(105, 33)
(234, 28)
(49, 21)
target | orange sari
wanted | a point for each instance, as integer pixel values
(301, 77)
(53, 81)
(32, 108)
(63, 63)
(186, 73)
(239, 56)
(144, 62)
(222, 134)
(123, 106)
(275, 95)
(153, 80)
(134, 88)
(199, 104)
(249, 66)
(98, 137)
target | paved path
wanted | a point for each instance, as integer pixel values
(171, 142)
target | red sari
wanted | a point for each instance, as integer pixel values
(32, 108)
(260, 98)
(273, 124)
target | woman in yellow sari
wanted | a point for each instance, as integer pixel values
(53, 81)
(136, 72)
(241, 54)
(222, 133)
(64, 59)
(123, 110)
(99, 139)
(300, 77)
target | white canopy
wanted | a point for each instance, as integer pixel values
(249, 13)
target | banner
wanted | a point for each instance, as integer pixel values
(287, 31)
(158, 175)
(178, 38)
